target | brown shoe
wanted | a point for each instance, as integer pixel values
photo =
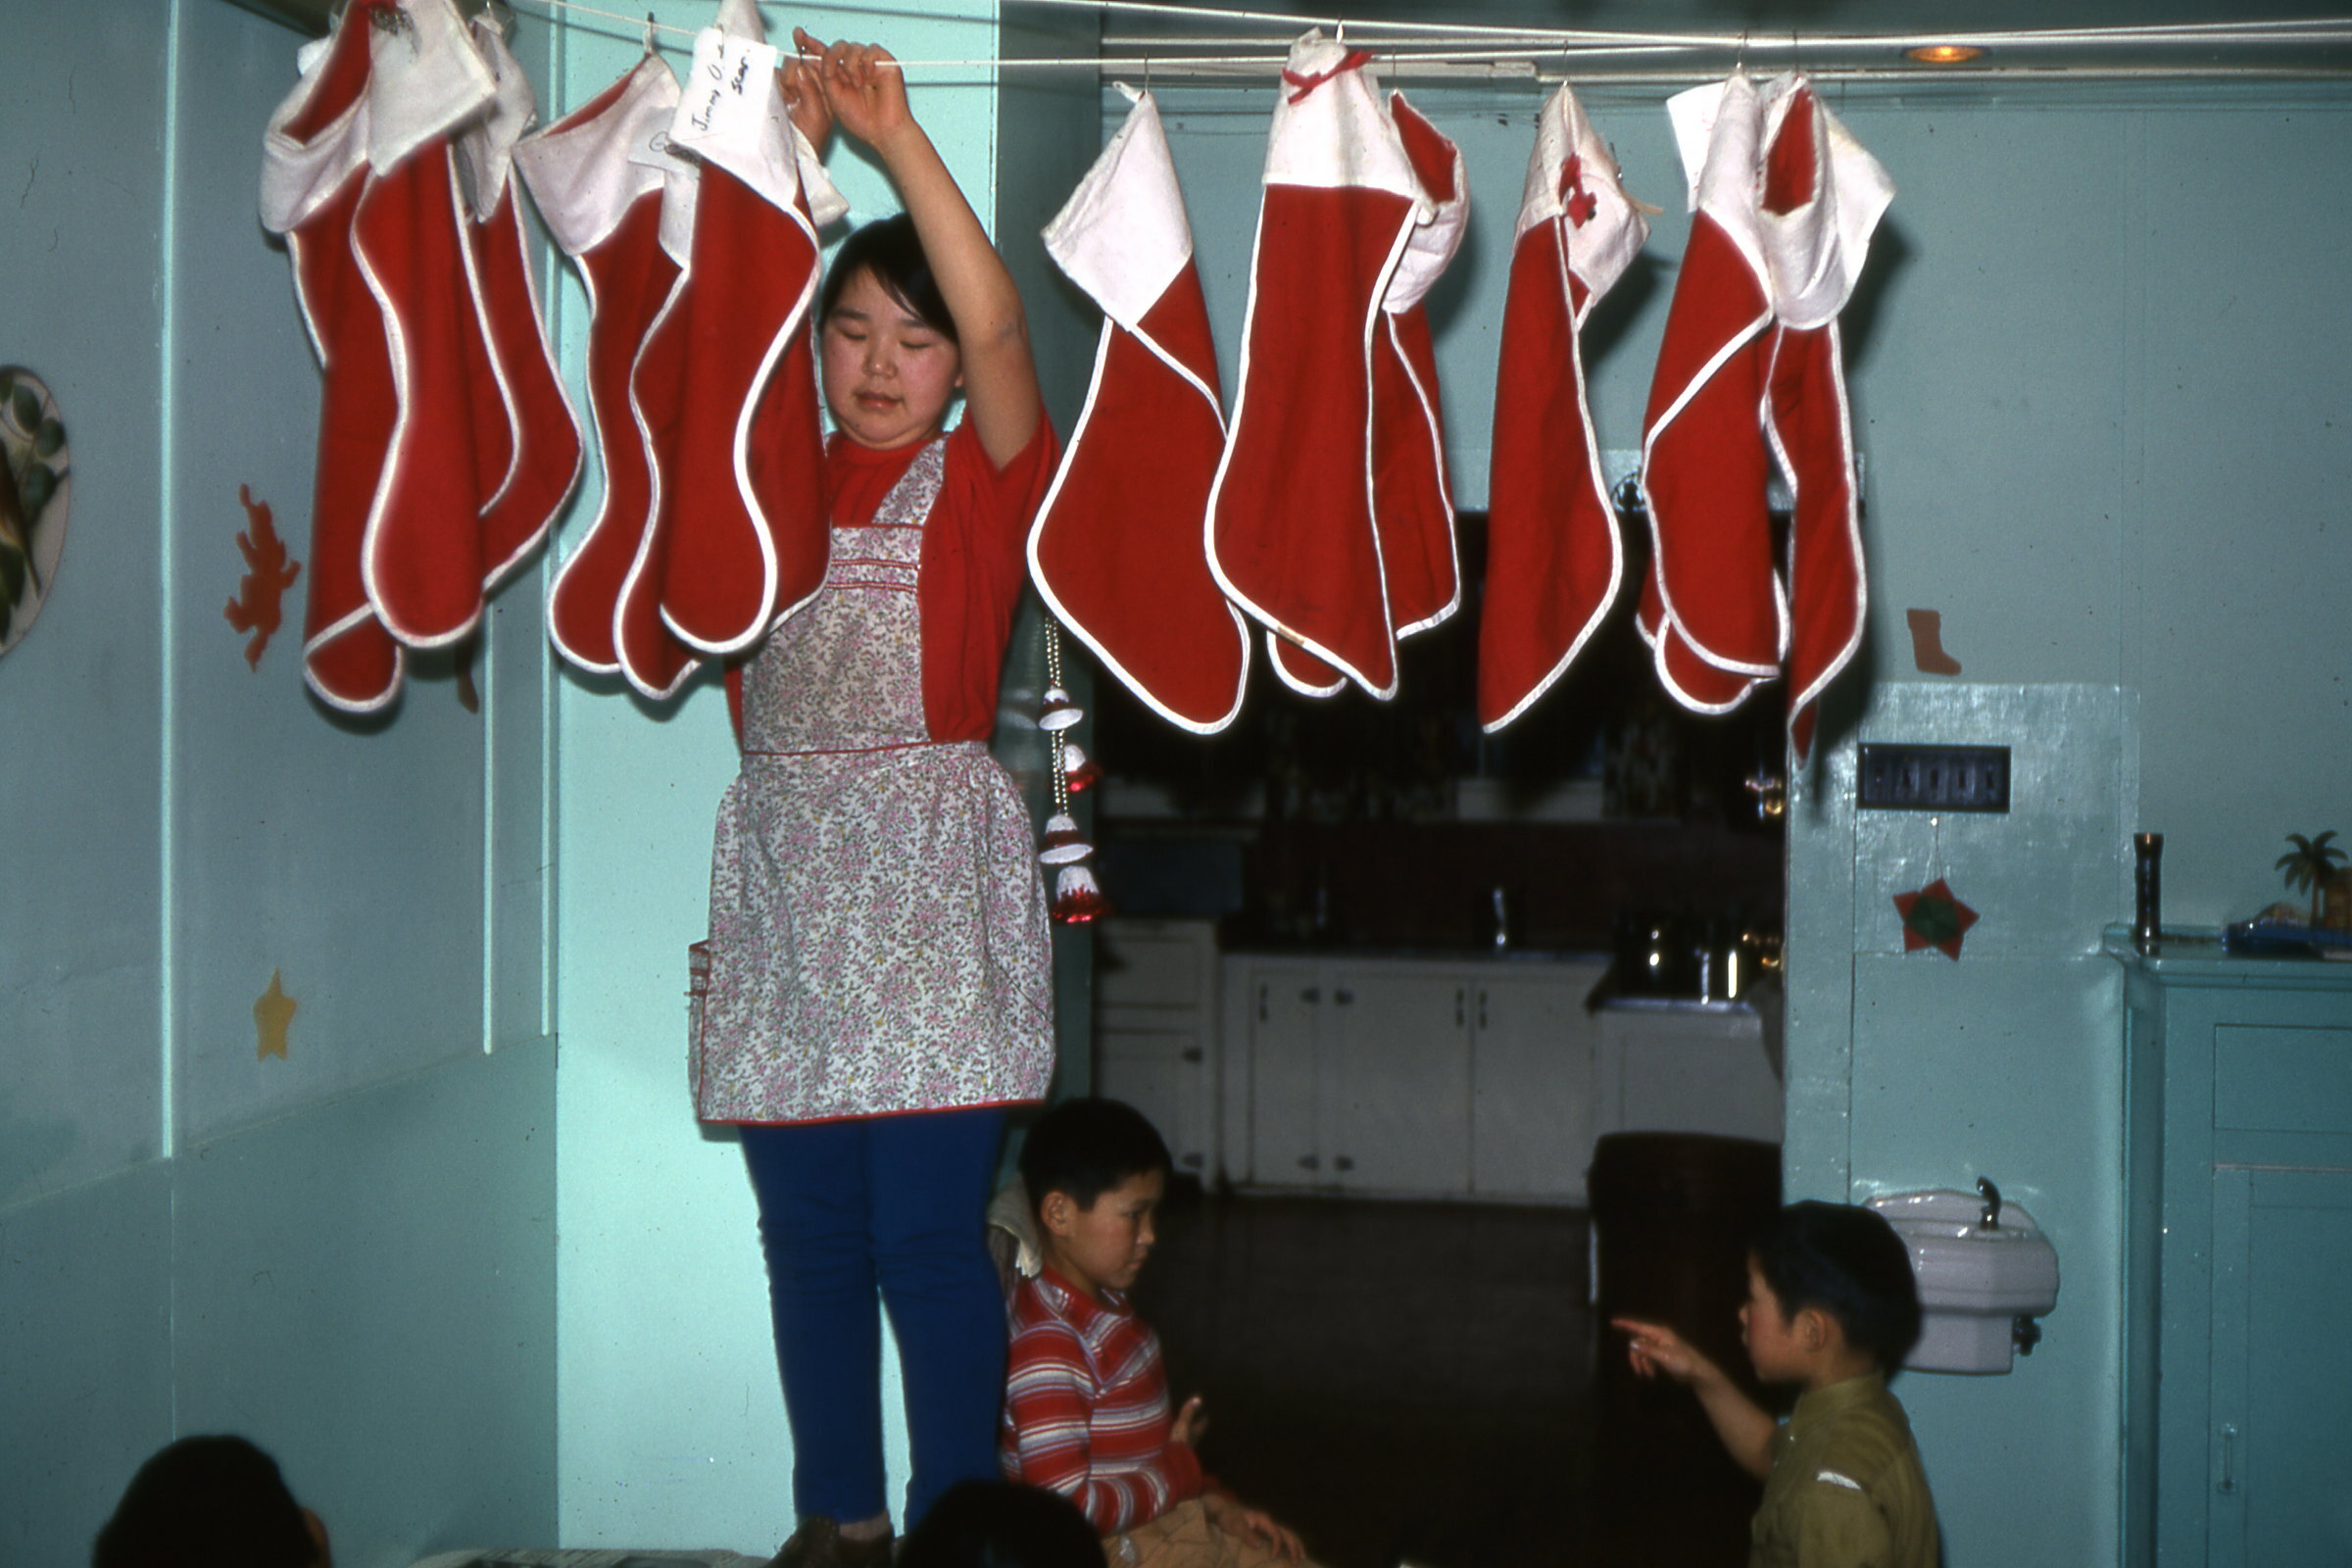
(817, 1543)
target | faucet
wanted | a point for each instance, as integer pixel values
(1991, 1194)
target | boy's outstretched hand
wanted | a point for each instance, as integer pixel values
(1744, 1426)
(862, 86)
(1190, 1423)
(1653, 1348)
(1252, 1524)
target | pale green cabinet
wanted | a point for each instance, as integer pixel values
(2238, 1272)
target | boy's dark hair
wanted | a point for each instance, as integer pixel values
(1848, 1263)
(206, 1503)
(888, 249)
(1087, 1147)
(996, 1524)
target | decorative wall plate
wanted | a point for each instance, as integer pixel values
(36, 485)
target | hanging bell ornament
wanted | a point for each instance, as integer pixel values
(1062, 843)
(1058, 712)
(1076, 897)
(1078, 770)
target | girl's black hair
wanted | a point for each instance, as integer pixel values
(888, 249)
(1848, 1263)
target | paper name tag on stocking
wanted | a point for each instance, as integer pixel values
(730, 92)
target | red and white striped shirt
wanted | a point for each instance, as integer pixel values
(1086, 1408)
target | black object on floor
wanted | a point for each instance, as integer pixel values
(1401, 1382)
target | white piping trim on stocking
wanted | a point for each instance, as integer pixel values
(498, 573)
(594, 430)
(372, 540)
(1657, 639)
(652, 506)
(1426, 397)
(1275, 643)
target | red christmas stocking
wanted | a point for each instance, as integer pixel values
(1291, 520)
(599, 177)
(1411, 501)
(421, 555)
(313, 169)
(1116, 549)
(543, 452)
(1555, 560)
(1823, 196)
(1703, 461)
(740, 506)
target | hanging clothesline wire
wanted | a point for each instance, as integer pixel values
(1408, 42)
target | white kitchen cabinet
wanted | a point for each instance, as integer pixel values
(1282, 1009)
(1393, 1079)
(1408, 1077)
(1156, 1030)
(1532, 1110)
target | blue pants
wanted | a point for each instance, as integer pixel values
(893, 1205)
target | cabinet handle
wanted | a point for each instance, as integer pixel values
(1343, 995)
(2229, 1482)
(1482, 1010)
(1459, 1020)
(1311, 995)
(1343, 1163)
(1310, 1163)
(1192, 1160)
(1194, 1054)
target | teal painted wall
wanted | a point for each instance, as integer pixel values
(2104, 442)
(671, 1422)
(2099, 373)
(348, 1253)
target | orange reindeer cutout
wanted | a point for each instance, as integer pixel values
(255, 606)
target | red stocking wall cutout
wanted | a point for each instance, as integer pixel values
(1555, 560)
(1117, 548)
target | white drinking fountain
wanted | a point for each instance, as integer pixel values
(1986, 1272)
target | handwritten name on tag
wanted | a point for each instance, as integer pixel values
(730, 93)
(651, 149)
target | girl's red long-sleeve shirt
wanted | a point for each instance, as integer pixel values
(1086, 1408)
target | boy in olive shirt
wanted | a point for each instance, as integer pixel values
(1832, 1308)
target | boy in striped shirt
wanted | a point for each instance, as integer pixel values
(1086, 1404)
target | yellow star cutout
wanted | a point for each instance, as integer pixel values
(272, 1011)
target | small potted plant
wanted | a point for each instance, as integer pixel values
(2312, 864)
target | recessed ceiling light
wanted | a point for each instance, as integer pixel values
(1945, 54)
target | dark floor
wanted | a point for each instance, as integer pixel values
(1412, 1383)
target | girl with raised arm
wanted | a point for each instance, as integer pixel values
(880, 986)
